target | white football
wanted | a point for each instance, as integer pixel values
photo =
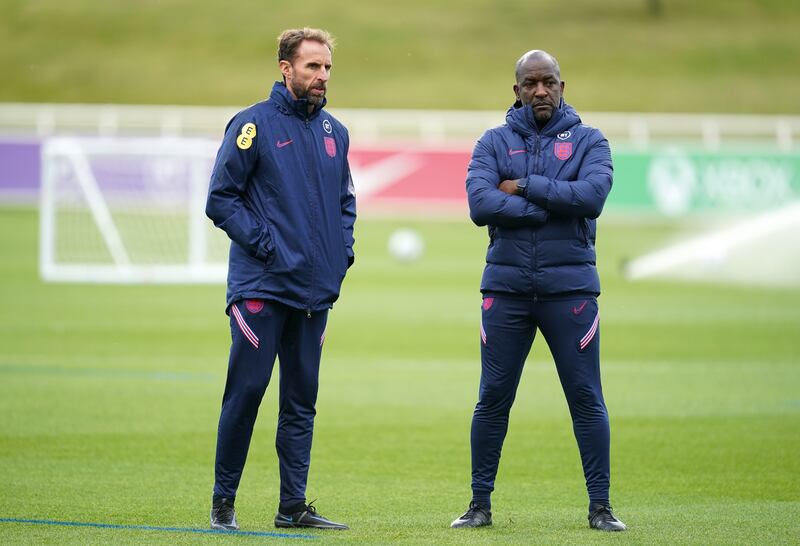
(406, 245)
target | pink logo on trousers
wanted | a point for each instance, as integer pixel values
(254, 306)
(578, 310)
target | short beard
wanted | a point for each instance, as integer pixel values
(301, 93)
(316, 100)
(543, 118)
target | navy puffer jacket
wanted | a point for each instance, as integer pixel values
(542, 244)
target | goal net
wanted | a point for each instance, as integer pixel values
(128, 210)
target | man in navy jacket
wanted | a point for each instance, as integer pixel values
(539, 182)
(281, 189)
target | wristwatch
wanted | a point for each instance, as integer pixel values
(522, 186)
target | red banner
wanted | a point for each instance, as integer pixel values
(410, 179)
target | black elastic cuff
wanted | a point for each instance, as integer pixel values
(293, 508)
(217, 499)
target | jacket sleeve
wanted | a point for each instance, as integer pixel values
(487, 204)
(348, 201)
(582, 198)
(227, 203)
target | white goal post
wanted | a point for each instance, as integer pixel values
(128, 210)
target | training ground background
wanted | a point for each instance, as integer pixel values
(109, 395)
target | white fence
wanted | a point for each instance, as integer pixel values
(638, 130)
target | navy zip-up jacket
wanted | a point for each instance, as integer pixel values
(281, 189)
(542, 244)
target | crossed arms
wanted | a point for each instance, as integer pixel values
(493, 201)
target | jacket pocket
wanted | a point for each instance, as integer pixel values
(345, 258)
(272, 247)
(508, 252)
(583, 225)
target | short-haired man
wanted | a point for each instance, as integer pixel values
(281, 190)
(539, 182)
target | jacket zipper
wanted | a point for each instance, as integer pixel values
(313, 223)
(535, 255)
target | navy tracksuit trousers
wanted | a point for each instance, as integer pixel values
(571, 328)
(260, 330)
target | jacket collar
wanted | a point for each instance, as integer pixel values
(289, 105)
(521, 119)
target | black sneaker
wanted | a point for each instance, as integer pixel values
(602, 518)
(475, 516)
(308, 518)
(223, 516)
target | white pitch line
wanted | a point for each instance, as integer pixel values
(714, 244)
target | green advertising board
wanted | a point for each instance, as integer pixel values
(678, 180)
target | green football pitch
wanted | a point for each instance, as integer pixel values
(110, 397)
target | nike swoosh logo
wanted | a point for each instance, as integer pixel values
(282, 144)
(514, 152)
(579, 310)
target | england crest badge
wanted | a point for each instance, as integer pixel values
(330, 146)
(563, 150)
